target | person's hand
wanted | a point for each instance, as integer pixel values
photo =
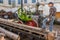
(48, 19)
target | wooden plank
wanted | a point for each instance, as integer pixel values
(57, 15)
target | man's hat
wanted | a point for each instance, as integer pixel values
(42, 3)
(50, 3)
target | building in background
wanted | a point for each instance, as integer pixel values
(16, 3)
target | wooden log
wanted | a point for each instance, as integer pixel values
(9, 34)
(2, 36)
(51, 36)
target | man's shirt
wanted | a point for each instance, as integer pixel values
(45, 10)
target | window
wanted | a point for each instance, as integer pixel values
(19, 1)
(41, 0)
(13, 0)
(1, 1)
(25, 1)
(33, 1)
(45, 0)
(9, 1)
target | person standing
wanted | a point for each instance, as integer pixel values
(40, 17)
(44, 11)
(52, 14)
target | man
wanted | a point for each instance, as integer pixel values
(44, 11)
(51, 17)
(40, 18)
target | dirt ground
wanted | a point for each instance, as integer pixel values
(57, 28)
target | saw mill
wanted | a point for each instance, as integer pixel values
(29, 19)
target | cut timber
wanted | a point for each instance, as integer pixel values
(2, 36)
(9, 34)
(50, 36)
